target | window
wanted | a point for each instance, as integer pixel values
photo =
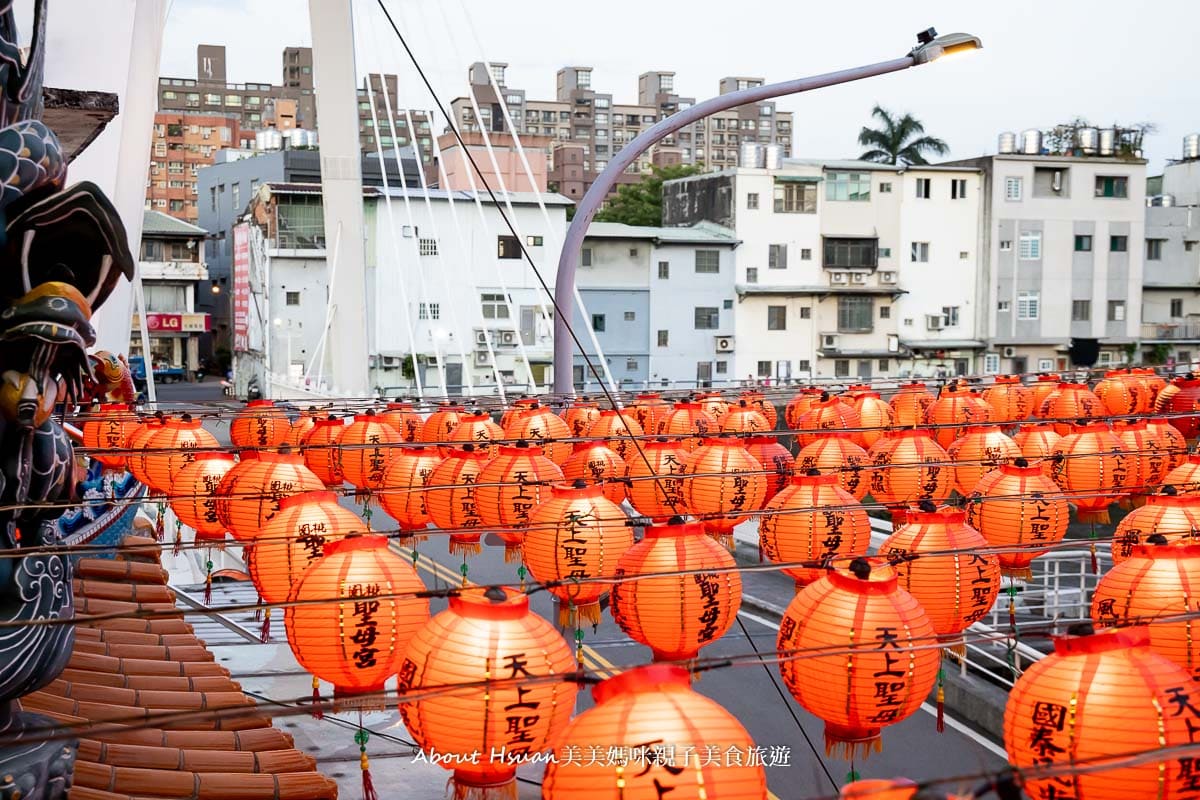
(1189, 245)
(429, 311)
(777, 318)
(727, 305)
(885, 188)
(920, 251)
(533, 241)
(1030, 246)
(233, 100)
(924, 188)
(585, 257)
(841, 368)
(722, 367)
(777, 256)
(1081, 310)
(856, 314)
(1029, 305)
(752, 200)
(664, 338)
(851, 252)
(598, 323)
(1154, 249)
(291, 298)
(958, 189)
(855, 186)
(796, 198)
(805, 313)
(1176, 306)
(1005, 245)
(1045, 364)
(633, 251)
(707, 318)
(885, 312)
(1003, 306)
(428, 247)
(212, 198)
(885, 252)
(631, 364)
(806, 254)
(1116, 310)
(708, 261)
(883, 364)
(949, 316)
(630, 316)
(764, 369)
(1118, 244)
(1012, 189)
(1083, 243)
(508, 247)
(1112, 186)
(804, 365)
(495, 306)
(751, 274)
(991, 363)
(964, 255)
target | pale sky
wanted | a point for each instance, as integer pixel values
(1043, 63)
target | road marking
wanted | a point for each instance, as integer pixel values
(928, 708)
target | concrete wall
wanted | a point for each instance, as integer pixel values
(673, 303)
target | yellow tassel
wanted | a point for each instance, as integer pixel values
(725, 539)
(1099, 516)
(852, 749)
(1017, 573)
(457, 790)
(512, 552)
(461, 547)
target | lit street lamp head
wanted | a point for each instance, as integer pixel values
(931, 46)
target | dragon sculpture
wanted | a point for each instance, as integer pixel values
(62, 251)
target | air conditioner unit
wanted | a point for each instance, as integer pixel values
(481, 358)
(837, 277)
(858, 278)
(887, 277)
(481, 336)
(933, 322)
(508, 337)
(829, 342)
(724, 344)
(391, 361)
(1010, 352)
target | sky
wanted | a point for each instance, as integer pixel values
(1043, 63)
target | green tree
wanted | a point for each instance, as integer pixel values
(641, 203)
(898, 140)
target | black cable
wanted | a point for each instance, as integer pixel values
(787, 704)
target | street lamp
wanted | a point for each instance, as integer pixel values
(929, 47)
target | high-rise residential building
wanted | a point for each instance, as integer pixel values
(1171, 290)
(182, 144)
(845, 269)
(588, 127)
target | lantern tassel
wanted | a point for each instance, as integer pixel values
(941, 705)
(178, 539)
(317, 713)
(1092, 515)
(258, 610)
(368, 784)
(512, 552)
(265, 633)
(460, 790)
(159, 527)
(208, 586)
(572, 615)
(464, 547)
(838, 745)
(725, 539)
(1017, 573)
(1095, 563)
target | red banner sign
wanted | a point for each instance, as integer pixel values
(241, 287)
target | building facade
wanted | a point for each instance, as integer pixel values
(1170, 329)
(846, 269)
(182, 145)
(172, 270)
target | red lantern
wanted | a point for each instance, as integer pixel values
(937, 560)
(486, 635)
(260, 424)
(907, 467)
(478, 429)
(1149, 459)
(652, 713)
(452, 498)
(1045, 385)
(1122, 394)
(1070, 403)
(1093, 470)
(295, 540)
(979, 451)
(1184, 402)
(775, 459)
(1185, 478)
(298, 429)
(615, 428)
(910, 404)
(598, 465)
(404, 420)
(519, 405)
(872, 629)
(956, 407)
(319, 447)
(1097, 696)
(194, 494)
(171, 448)
(724, 483)
(675, 615)
(745, 418)
(1172, 441)
(875, 417)
(510, 486)
(650, 410)
(365, 447)
(799, 405)
(656, 473)
(356, 611)
(1018, 506)
(759, 401)
(109, 429)
(1037, 441)
(249, 494)
(1010, 400)
(543, 427)
(690, 423)
(880, 789)
(1174, 516)
(137, 443)
(576, 534)
(404, 483)
(715, 406)
(827, 414)
(835, 453)
(441, 423)
(813, 520)
(580, 415)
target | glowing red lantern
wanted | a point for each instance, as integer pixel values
(1018, 506)
(1174, 516)
(510, 486)
(745, 418)
(826, 414)
(319, 447)
(723, 483)
(615, 428)
(194, 494)
(580, 415)
(650, 410)
(544, 428)
(814, 520)
(910, 404)
(1010, 400)
(835, 453)
(979, 451)
(956, 407)
(260, 424)
(441, 423)
(799, 405)
(598, 465)
(404, 482)
(295, 539)
(172, 447)
(875, 417)
(1069, 403)
(759, 401)
(404, 421)
(1093, 470)
(249, 494)
(690, 423)
(656, 479)
(365, 447)
(1037, 441)
(775, 459)
(478, 429)
(907, 467)
(452, 498)
(109, 429)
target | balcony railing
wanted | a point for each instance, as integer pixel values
(1189, 329)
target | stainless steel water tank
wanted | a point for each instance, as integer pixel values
(1108, 141)
(1008, 142)
(773, 156)
(751, 155)
(1191, 145)
(268, 140)
(1089, 140)
(1031, 142)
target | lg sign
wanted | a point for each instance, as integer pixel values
(164, 322)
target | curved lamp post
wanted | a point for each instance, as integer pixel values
(930, 46)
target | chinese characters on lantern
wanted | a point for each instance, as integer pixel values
(890, 681)
(365, 630)
(710, 608)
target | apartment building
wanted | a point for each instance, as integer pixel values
(846, 269)
(172, 268)
(183, 143)
(1170, 329)
(588, 127)
(1063, 252)
(660, 303)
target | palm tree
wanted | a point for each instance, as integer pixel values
(898, 140)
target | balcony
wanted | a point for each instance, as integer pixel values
(1186, 330)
